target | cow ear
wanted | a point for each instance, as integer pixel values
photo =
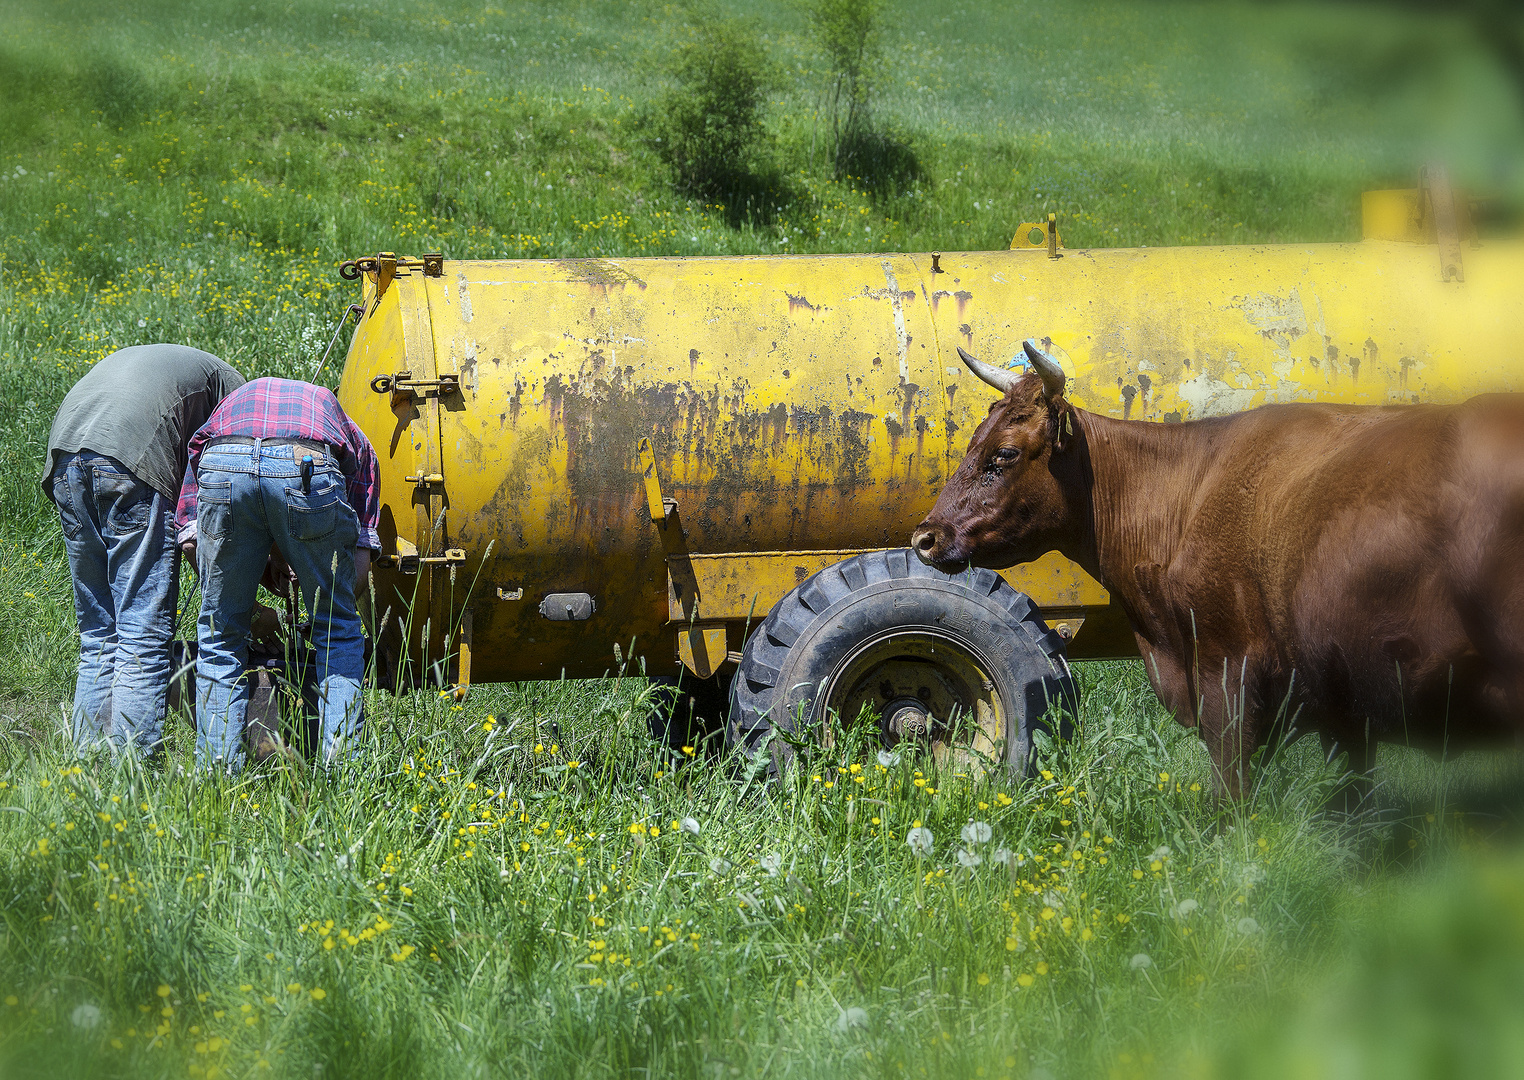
(1063, 428)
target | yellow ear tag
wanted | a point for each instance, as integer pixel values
(1068, 427)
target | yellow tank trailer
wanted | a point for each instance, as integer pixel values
(581, 457)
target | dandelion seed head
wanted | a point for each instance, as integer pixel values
(852, 1018)
(977, 832)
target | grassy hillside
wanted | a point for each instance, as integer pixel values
(509, 885)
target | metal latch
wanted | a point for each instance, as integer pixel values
(404, 383)
(409, 562)
(385, 265)
(426, 478)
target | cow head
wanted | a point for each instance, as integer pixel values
(1009, 500)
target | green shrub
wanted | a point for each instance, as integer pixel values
(709, 125)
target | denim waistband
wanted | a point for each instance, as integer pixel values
(260, 445)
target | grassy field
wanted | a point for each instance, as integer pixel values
(523, 882)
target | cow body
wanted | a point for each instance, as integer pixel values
(1358, 571)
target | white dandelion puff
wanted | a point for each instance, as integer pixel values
(919, 841)
(1140, 961)
(1003, 855)
(968, 860)
(888, 760)
(690, 825)
(852, 1018)
(1184, 909)
(86, 1016)
(772, 862)
(1247, 926)
(977, 832)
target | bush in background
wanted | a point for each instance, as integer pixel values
(709, 125)
(851, 34)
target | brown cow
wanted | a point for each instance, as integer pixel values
(1361, 568)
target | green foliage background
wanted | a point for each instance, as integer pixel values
(195, 171)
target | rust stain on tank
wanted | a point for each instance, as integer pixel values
(797, 302)
(600, 274)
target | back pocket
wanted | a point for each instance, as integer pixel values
(313, 515)
(214, 508)
(123, 502)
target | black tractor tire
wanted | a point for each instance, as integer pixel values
(891, 608)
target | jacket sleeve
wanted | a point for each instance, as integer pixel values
(185, 509)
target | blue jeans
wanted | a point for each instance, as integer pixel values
(250, 499)
(119, 536)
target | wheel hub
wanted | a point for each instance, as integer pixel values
(922, 690)
(907, 720)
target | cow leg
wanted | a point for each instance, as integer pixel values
(1358, 782)
(1230, 721)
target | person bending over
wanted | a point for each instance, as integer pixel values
(115, 458)
(278, 465)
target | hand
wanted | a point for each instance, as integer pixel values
(188, 553)
(277, 576)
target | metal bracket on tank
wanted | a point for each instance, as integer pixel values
(659, 508)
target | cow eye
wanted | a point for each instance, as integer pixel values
(1007, 454)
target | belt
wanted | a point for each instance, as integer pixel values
(274, 440)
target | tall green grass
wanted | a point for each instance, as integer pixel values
(195, 171)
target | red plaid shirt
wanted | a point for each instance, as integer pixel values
(284, 409)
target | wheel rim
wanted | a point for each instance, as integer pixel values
(923, 689)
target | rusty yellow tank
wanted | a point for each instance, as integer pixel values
(585, 458)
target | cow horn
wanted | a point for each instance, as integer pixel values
(999, 378)
(1050, 370)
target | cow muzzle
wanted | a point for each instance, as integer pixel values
(933, 544)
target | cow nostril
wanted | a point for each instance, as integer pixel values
(926, 540)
